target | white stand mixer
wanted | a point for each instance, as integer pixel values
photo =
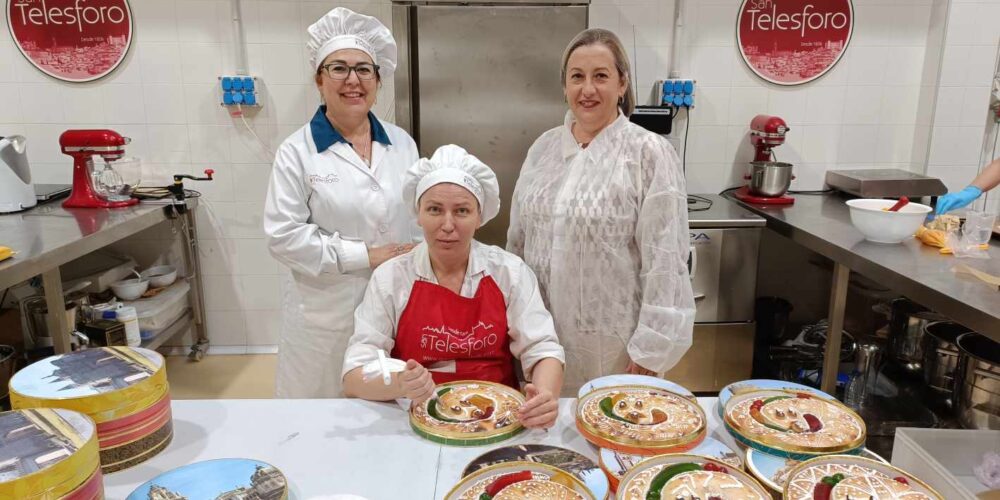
(16, 189)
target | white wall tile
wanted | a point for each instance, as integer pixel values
(895, 144)
(282, 22)
(244, 147)
(263, 327)
(955, 177)
(789, 103)
(603, 16)
(155, 20)
(83, 103)
(950, 102)
(222, 293)
(715, 24)
(202, 62)
(40, 103)
(218, 257)
(255, 259)
(955, 146)
(705, 65)
(821, 143)
(825, 105)
(954, 66)
(161, 62)
(168, 144)
(284, 63)
(975, 108)
(711, 106)
(248, 220)
(962, 23)
(209, 143)
(910, 26)
(707, 144)
(164, 103)
(746, 103)
(226, 328)
(7, 54)
(203, 21)
(202, 104)
(10, 111)
(123, 103)
(857, 143)
(905, 66)
(982, 63)
(900, 105)
(288, 102)
(251, 181)
(261, 292)
(867, 66)
(862, 105)
(870, 25)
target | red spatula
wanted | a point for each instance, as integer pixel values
(899, 204)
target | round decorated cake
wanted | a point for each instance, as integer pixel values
(640, 419)
(123, 389)
(49, 454)
(843, 477)
(668, 477)
(520, 481)
(616, 464)
(793, 424)
(468, 413)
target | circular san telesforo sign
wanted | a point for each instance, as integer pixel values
(790, 42)
(72, 40)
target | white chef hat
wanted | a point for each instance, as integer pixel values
(345, 29)
(454, 165)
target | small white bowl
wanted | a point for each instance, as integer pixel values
(160, 276)
(130, 289)
(882, 226)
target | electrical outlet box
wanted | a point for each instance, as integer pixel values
(678, 93)
(239, 90)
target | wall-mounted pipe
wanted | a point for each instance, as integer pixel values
(240, 44)
(676, 69)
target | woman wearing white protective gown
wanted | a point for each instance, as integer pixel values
(334, 208)
(600, 214)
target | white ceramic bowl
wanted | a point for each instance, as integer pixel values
(130, 289)
(160, 276)
(882, 226)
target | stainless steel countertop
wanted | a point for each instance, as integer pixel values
(822, 224)
(49, 235)
(722, 213)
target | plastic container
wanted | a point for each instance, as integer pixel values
(944, 458)
(158, 312)
(127, 316)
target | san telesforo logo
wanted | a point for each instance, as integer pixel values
(790, 42)
(72, 40)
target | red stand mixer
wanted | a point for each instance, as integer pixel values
(768, 180)
(94, 188)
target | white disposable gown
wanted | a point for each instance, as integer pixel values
(605, 230)
(324, 208)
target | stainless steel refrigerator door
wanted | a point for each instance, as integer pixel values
(487, 78)
(724, 273)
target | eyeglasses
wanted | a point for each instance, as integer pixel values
(340, 71)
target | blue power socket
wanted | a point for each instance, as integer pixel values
(239, 90)
(677, 93)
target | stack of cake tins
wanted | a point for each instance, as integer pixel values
(49, 454)
(123, 389)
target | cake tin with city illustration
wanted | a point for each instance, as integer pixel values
(226, 478)
(49, 454)
(123, 389)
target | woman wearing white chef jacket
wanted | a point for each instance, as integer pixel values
(599, 213)
(334, 208)
(460, 308)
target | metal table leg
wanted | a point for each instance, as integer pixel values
(197, 300)
(838, 302)
(59, 329)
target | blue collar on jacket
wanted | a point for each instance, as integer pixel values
(324, 135)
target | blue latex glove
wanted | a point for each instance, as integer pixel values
(953, 201)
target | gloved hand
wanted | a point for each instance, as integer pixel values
(953, 201)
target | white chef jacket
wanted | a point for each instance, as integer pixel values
(605, 229)
(530, 329)
(324, 208)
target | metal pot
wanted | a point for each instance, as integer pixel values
(977, 386)
(770, 178)
(941, 355)
(907, 322)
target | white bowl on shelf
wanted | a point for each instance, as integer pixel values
(160, 276)
(882, 226)
(130, 289)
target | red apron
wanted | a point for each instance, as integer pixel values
(440, 325)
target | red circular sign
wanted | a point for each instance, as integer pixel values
(789, 42)
(72, 40)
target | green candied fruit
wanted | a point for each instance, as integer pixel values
(661, 478)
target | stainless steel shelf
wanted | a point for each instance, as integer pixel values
(182, 324)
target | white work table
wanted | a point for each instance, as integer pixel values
(329, 446)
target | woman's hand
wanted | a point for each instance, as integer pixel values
(541, 408)
(378, 255)
(633, 368)
(416, 382)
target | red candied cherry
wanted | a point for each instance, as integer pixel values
(803, 395)
(902, 480)
(822, 491)
(814, 424)
(710, 467)
(756, 405)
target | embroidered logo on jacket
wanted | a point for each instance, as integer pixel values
(323, 179)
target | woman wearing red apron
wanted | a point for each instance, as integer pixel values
(454, 308)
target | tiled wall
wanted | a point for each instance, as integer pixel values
(963, 131)
(874, 108)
